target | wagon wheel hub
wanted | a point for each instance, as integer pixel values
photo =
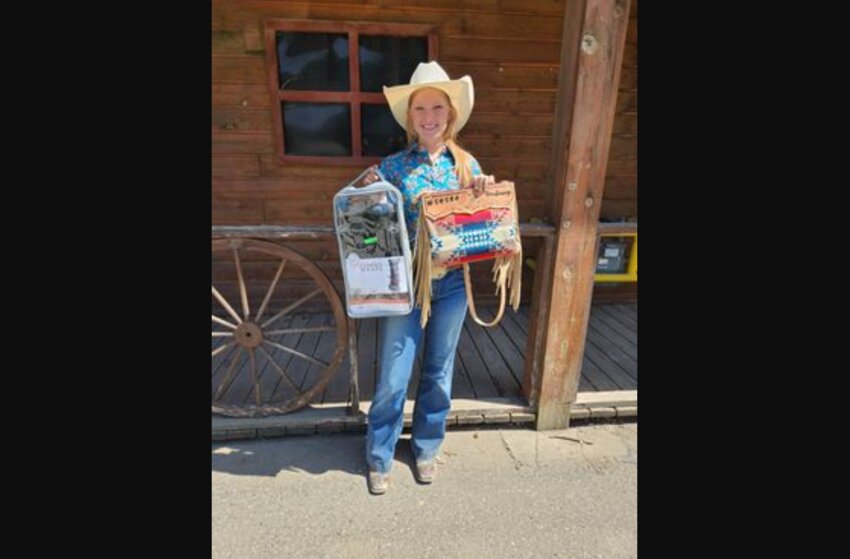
(248, 335)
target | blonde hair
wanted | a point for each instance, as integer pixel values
(463, 159)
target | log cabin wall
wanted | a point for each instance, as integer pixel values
(511, 50)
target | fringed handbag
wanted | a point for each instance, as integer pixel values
(456, 228)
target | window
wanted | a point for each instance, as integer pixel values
(327, 80)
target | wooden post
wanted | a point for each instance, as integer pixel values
(591, 56)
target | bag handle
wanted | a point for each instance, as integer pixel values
(363, 174)
(471, 301)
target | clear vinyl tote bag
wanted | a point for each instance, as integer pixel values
(374, 250)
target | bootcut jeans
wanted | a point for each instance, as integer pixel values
(399, 338)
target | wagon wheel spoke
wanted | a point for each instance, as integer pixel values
(298, 353)
(226, 380)
(305, 352)
(294, 305)
(253, 359)
(299, 330)
(221, 348)
(243, 291)
(223, 322)
(279, 370)
(270, 291)
(226, 305)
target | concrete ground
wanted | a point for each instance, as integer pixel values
(499, 493)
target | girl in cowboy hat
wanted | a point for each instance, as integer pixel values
(432, 109)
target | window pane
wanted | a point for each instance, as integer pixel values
(389, 60)
(314, 61)
(317, 128)
(381, 133)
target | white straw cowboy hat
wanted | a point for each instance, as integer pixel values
(430, 74)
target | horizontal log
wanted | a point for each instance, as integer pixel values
(625, 123)
(228, 41)
(627, 101)
(514, 102)
(235, 15)
(622, 166)
(225, 142)
(327, 232)
(623, 146)
(621, 187)
(240, 95)
(617, 228)
(532, 148)
(235, 166)
(242, 69)
(245, 120)
(628, 77)
(453, 49)
(237, 212)
(488, 75)
(615, 209)
(502, 125)
(270, 166)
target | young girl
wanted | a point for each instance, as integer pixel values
(432, 109)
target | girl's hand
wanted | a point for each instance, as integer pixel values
(481, 182)
(371, 176)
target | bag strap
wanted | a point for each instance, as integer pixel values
(364, 173)
(471, 301)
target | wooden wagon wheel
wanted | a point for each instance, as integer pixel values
(265, 332)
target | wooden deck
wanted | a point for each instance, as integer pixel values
(489, 363)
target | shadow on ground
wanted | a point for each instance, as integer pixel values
(315, 454)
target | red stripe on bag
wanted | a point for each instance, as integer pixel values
(477, 217)
(477, 257)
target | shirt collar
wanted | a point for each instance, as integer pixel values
(415, 150)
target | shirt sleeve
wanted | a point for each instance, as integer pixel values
(386, 168)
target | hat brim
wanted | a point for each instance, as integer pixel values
(460, 93)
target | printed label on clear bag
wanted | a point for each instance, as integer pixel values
(375, 276)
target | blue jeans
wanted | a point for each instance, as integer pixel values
(399, 340)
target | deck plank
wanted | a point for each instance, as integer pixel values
(515, 327)
(510, 351)
(476, 367)
(307, 344)
(603, 316)
(489, 362)
(625, 361)
(367, 346)
(595, 376)
(520, 317)
(461, 386)
(584, 384)
(603, 330)
(609, 368)
(627, 317)
(267, 375)
(324, 352)
(500, 371)
(417, 370)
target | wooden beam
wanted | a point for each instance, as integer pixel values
(591, 57)
(314, 232)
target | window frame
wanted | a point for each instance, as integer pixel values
(354, 97)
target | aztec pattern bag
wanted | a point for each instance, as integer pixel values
(456, 228)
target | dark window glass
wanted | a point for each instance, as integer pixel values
(389, 60)
(381, 133)
(317, 128)
(312, 61)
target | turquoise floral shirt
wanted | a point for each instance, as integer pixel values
(412, 172)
